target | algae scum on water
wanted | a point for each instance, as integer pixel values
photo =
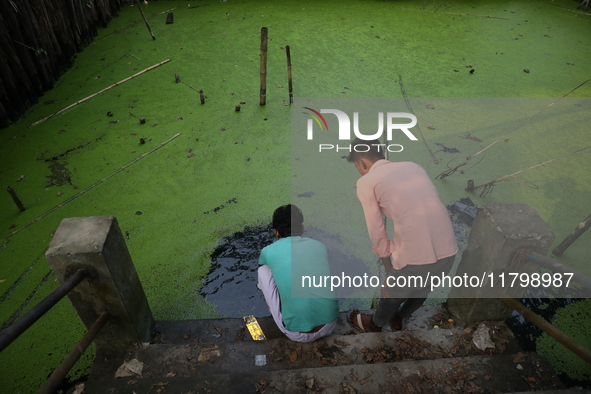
(338, 49)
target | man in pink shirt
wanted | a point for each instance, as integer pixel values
(423, 243)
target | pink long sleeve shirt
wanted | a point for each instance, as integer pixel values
(403, 191)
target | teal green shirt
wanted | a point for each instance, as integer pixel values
(289, 259)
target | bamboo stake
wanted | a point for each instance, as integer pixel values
(573, 236)
(145, 20)
(132, 25)
(263, 94)
(17, 200)
(289, 81)
(97, 93)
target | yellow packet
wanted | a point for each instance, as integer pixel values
(253, 327)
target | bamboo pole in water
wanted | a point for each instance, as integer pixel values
(145, 20)
(264, 32)
(289, 81)
(572, 237)
(17, 200)
(97, 93)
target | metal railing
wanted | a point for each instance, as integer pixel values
(20, 326)
(558, 335)
(555, 266)
(60, 372)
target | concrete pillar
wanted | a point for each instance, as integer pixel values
(97, 244)
(498, 233)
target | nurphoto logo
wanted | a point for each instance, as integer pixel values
(392, 121)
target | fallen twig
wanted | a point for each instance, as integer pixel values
(453, 13)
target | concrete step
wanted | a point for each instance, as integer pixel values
(474, 374)
(233, 329)
(219, 356)
(281, 353)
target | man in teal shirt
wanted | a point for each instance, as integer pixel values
(300, 310)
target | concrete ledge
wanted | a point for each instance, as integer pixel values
(97, 245)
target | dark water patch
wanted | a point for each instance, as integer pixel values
(59, 175)
(232, 282)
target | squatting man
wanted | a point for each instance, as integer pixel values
(302, 314)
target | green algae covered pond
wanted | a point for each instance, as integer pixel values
(207, 171)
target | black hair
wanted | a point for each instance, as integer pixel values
(288, 220)
(373, 149)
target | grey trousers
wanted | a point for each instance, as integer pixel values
(403, 301)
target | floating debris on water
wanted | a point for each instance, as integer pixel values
(471, 137)
(218, 208)
(445, 149)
